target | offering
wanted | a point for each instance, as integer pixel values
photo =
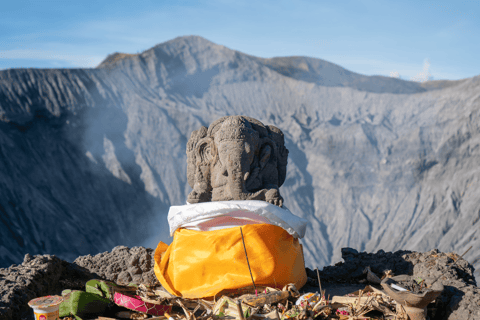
(46, 308)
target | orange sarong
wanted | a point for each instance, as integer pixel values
(200, 264)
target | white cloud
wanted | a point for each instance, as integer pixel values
(80, 61)
(394, 74)
(424, 75)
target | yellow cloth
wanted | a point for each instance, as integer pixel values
(200, 264)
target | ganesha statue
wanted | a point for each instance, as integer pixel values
(236, 158)
(235, 168)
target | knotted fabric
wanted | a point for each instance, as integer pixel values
(201, 264)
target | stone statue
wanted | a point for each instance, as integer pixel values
(236, 158)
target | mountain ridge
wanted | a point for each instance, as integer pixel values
(298, 67)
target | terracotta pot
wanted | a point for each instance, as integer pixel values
(414, 304)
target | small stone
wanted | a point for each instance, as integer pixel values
(134, 261)
(120, 248)
(135, 270)
(27, 258)
(124, 278)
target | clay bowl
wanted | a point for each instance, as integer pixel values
(415, 304)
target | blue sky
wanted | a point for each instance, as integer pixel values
(410, 39)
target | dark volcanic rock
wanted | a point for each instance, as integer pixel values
(35, 277)
(122, 265)
(48, 275)
(353, 268)
(460, 299)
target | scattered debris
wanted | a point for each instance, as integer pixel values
(131, 315)
(274, 304)
(47, 275)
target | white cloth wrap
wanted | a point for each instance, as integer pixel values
(227, 214)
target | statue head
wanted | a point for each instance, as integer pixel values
(236, 158)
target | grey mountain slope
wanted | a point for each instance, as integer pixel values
(390, 170)
(324, 73)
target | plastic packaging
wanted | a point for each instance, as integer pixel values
(310, 298)
(207, 216)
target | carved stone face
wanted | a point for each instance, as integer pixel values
(237, 158)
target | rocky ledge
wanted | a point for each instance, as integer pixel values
(46, 274)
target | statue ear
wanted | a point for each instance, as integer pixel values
(206, 151)
(192, 154)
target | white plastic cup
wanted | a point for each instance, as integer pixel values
(46, 308)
